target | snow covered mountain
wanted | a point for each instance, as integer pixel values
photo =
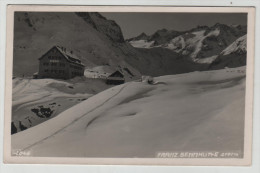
(198, 111)
(200, 44)
(237, 47)
(94, 39)
(233, 56)
(159, 37)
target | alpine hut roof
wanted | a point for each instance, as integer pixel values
(69, 56)
(117, 74)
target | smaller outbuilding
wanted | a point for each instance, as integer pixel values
(115, 78)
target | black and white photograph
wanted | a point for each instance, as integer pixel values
(162, 85)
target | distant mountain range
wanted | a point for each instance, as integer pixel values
(201, 45)
(99, 42)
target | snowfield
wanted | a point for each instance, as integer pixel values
(198, 111)
(142, 43)
(36, 100)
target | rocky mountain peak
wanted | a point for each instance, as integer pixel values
(100, 23)
(199, 43)
(142, 36)
(237, 47)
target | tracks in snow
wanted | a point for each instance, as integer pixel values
(74, 121)
(95, 118)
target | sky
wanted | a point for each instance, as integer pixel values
(133, 24)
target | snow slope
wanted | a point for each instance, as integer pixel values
(238, 46)
(198, 111)
(37, 100)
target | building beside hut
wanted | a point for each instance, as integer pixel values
(115, 78)
(58, 63)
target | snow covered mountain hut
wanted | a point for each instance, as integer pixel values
(57, 63)
(115, 78)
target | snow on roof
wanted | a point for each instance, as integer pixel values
(114, 75)
(69, 56)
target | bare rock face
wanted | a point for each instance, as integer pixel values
(163, 36)
(142, 36)
(233, 56)
(13, 128)
(107, 27)
(90, 36)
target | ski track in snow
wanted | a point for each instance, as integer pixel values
(95, 118)
(74, 121)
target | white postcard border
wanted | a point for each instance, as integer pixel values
(246, 161)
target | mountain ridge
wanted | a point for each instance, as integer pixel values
(196, 43)
(98, 41)
(94, 39)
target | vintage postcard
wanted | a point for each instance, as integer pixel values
(129, 85)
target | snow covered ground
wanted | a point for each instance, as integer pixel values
(36, 100)
(198, 111)
(98, 72)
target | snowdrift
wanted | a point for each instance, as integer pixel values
(198, 111)
(37, 100)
